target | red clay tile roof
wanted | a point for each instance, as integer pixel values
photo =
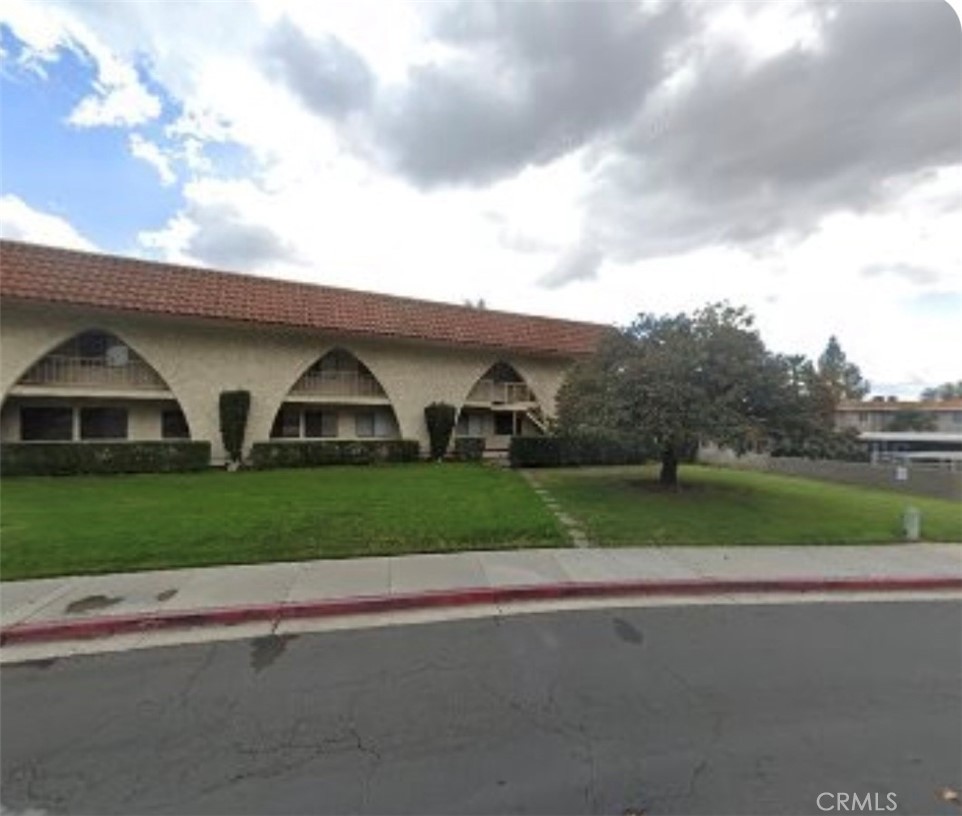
(45, 274)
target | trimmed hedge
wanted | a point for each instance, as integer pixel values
(267, 455)
(569, 451)
(841, 446)
(234, 407)
(71, 458)
(440, 418)
(469, 448)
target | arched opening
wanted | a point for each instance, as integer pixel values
(337, 397)
(500, 405)
(92, 387)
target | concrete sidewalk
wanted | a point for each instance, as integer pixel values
(98, 606)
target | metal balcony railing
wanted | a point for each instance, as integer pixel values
(92, 372)
(338, 384)
(495, 393)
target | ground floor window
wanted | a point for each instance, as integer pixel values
(287, 423)
(103, 423)
(173, 424)
(320, 424)
(471, 423)
(46, 424)
(373, 424)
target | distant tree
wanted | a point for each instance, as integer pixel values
(672, 381)
(909, 420)
(843, 379)
(946, 391)
(807, 411)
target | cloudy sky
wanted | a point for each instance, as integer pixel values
(584, 160)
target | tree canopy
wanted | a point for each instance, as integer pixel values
(946, 391)
(674, 381)
(842, 377)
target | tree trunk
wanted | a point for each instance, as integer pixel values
(669, 467)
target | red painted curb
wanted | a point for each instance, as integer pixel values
(227, 616)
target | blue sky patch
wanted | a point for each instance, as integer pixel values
(85, 175)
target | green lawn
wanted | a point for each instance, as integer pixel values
(71, 525)
(625, 506)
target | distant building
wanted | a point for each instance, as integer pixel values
(877, 414)
(941, 444)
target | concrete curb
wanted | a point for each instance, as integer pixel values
(107, 625)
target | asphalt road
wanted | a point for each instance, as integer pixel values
(701, 709)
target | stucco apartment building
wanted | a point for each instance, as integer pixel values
(875, 415)
(96, 347)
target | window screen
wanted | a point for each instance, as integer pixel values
(173, 424)
(50, 424)
(103, 423)
(364, 424)
(287, 424)
(320, 424)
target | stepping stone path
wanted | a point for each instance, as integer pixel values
(573, 528)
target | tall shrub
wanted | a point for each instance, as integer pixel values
(440, 417)
(234, 407)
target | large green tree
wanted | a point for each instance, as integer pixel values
(842, 377)
(676, 380)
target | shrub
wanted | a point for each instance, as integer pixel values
(838, 445)
(71, 458)
(469, 448)
(583, 449)
(267, 455)
(440, 418)
(234, 407)
(536, 451)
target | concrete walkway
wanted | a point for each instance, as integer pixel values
(97, 606)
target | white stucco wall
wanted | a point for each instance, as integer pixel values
(200, 359)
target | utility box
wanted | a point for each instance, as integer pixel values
(912, 523)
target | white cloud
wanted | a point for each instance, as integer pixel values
(117, 98)
(154, 156)
(317, 207)
(21, 222)
(124, 103)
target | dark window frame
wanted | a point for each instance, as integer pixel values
(173, 424)
(280, 430)
(95, 423)
(66, 430)
(327, 419)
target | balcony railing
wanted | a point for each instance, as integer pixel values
(498, 393)
(338, 384)
(92, 372)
